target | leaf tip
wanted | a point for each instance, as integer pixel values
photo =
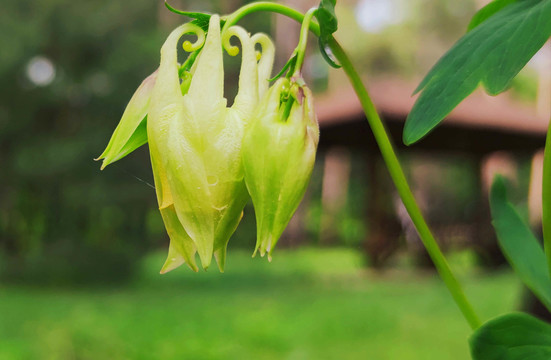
(409, 137)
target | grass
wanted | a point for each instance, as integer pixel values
(307, 304)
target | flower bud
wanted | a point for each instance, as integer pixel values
(278, 157)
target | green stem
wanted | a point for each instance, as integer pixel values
(546, 198)
(303, 41)
(388, 153)
(288, 107)
(402, 186)
(240, 13)
(186, 66)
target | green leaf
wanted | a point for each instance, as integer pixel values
(200, 19)
(492, 53)
(488, 11)
(513, 336)
(328, 22)
(327, 17)
(519, 245)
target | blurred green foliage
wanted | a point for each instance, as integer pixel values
(306, 304)
(59, 214)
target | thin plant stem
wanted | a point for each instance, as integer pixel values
(397, 174)
(240, 13)
(300, 52)
(388, 153)
(546, 198)
(303, 41)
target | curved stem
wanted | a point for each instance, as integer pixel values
(388, 153)
(188, 63)
(303, 40)
(402, 186)
(240, 13)
(546, 198)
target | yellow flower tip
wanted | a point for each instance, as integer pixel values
(188, 46)
(106, 161)
(169, 267)
(220, 256)
(104, 164)
(180, 249)
(205, 256)
(192, 266)
(232, 50)
(265, 246)
(172, 263)
(166, 204)
(270, 251)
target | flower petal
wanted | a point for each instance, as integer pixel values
(131, 132)
(181, 249)
(247, 96)
(207, 86)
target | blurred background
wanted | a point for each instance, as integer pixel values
(80, 248)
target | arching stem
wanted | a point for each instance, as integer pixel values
(267, 6)
(387, 151)
(400, 181)
(303, 41)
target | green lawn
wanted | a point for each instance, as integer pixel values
(307, 304)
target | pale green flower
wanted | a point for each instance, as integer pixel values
(278, 156)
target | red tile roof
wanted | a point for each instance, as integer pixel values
(393, 100)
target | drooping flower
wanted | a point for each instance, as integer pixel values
(279, 151)
(195, 143)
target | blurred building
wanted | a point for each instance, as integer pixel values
(484, 135)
